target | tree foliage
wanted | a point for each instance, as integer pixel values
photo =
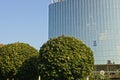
(29, 69)
(98, 76)
(65, 58)
(12, 58)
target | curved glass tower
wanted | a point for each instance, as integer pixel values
(95, 22)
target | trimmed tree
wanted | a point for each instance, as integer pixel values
(0, 61)
(29, 69)
(13, 57)
(65, 58)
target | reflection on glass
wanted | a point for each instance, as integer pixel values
(96, 22)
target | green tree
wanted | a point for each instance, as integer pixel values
(98, 76)
(0, 61)
(13, 57)
(65, 58)
(29, 69)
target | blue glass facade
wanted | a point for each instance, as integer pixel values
(95, 22)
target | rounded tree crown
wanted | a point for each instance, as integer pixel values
(65, 58)
(12, 57)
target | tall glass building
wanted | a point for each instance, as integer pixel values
(95, 22)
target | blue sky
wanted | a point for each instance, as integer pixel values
(24, 21)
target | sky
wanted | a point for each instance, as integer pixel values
(24, 21)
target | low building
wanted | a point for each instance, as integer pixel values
(111, 70)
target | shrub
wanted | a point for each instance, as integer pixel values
(65, 58)
(12, 58)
